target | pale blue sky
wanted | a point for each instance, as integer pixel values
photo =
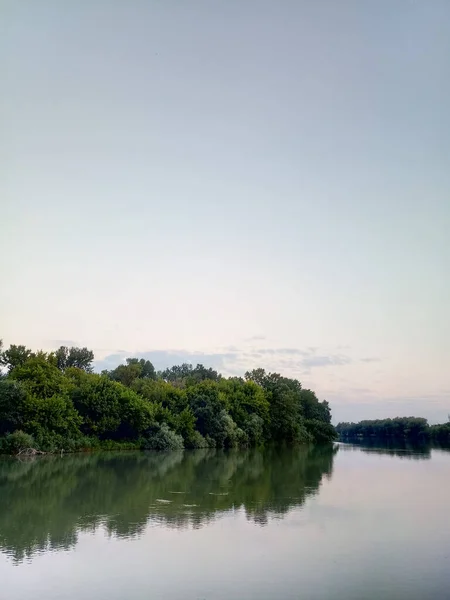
(243, 183)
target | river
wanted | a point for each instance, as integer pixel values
(342, 522)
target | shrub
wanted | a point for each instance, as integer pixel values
(197, 441)
(13, 443)
(254, 428)
(54, 415)
(161, 437)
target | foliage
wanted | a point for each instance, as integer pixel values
(56, 398)
(320, 431)
(55, 414)
(186, 374)
(12, 400)
(400, 427)
(110, 410)
(283, 395)
(440, 433)
(40, 376)
(15, 356)
(81, 358)
(135, 369)
(13, 443)
(162, 438)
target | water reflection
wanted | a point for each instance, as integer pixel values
(46, 503)
(394, 447)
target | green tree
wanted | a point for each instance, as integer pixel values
(15, 356)
(147, 368)
(126, 374)
(244, 399)
(312, 408)
(12, 401)
(209, 409)
(51, 415)
(283, 396)
(110, 410)
(40, 376)
(134, 369)
(81, 358)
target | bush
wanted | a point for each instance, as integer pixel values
(13, 443)
(254, 428)
(55, 415)
(161, 437)
(197, 441)
(116, 445)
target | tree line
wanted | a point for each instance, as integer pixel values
(55, 402)
(406, 428)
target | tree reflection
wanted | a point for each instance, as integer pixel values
(45, 503)
(392, 447)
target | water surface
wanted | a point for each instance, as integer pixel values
(342, 523)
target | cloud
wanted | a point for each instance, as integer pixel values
(370, 359)
(326, 361)
(234, 361)
(111, 361)
(256, 338)
(290, 351)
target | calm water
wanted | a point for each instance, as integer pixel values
(320, 524)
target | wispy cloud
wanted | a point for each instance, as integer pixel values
(289, 351)
(326, 361)
(370, 359)
(294, 361)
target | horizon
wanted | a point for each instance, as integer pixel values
(259, 185)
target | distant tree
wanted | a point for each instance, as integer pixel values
(202, 373)
(81, 358)
(259, 376)
(136, 368)
(187, 375)
(147, 368)
(15, 356)
(126, 374)
(401, 427)
(176, 373)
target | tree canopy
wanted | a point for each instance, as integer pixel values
(56, 402)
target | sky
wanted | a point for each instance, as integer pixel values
(241, 184)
